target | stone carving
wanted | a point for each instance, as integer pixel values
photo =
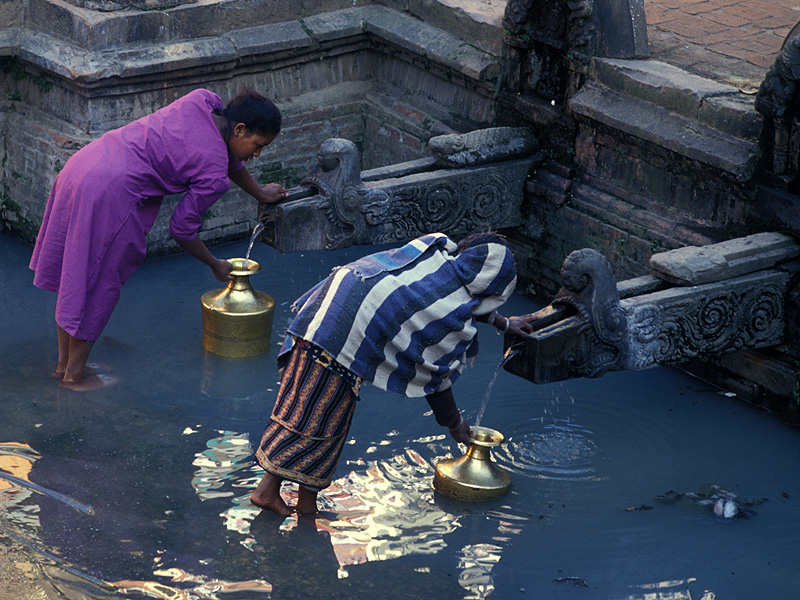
(113, 5)
(333, 208)
(590, 288)
(482, 146)
(667, 326)
(351, 208)
(778, 99)
(549, 43)
(557, 23)
(723, 317)
(460, 205)
(539, 38)
(777, 96)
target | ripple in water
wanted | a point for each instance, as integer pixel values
(561, 450)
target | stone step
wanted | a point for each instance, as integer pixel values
(722, 107)
(693, 265)
(652, 122)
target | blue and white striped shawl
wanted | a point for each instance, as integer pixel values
(403, 319)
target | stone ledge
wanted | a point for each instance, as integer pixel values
(693, 265)
(478, 21)
(431, 43)
(720, 106)
(91, 66)
(654, 123)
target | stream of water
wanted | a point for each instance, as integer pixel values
(509, 353)
(256, 230)
(614, 479)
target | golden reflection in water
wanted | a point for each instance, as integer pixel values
(381, 510)
(17, 459)
(204, 588)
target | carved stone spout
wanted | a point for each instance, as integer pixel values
(698, 303)
(471, 182)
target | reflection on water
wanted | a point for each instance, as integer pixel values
(16, 506)
(380, 511)
(164, 458)
(192, 587)
(554, 450)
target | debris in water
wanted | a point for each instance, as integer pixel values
(576, 581)
(725, 508)
(722, 503)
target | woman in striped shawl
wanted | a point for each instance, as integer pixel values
(402, 320)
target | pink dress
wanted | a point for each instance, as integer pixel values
(107, 196)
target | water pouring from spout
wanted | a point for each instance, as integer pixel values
(509, 353)
(256, 230)
(474, 477)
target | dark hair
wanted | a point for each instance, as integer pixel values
(257, 113)
(484, 237)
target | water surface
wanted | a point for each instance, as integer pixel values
(608, 474)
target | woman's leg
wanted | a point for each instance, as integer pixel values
(63, 353)
(267, 495)
(306, 501)
(76, 363)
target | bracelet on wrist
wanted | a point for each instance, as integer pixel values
(460, 421)
(505, 327)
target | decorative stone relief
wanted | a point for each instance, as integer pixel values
(482, 146)
(778, 99)
(352, 209)
(714, 319)
(550, 42)
(456, 205)
(590, 288)
(112, 5)
(333, 208)
(603, 333)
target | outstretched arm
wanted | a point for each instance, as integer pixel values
(446, 413)
(195, 247)
(520, 326)
(272, 192)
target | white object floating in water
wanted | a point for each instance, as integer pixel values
(726, 509)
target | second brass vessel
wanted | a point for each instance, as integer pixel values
(473, 477)
(237, 320)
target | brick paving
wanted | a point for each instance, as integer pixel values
(731, 41)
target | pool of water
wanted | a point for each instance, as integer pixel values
(143, 485)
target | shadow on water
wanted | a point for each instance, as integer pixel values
(614, 479)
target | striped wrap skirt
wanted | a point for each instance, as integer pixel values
(311, 418)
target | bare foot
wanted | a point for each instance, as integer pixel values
(86, 384)
(276, 505)
(89, 370)
(267, 496)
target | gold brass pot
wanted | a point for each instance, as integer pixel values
(237, 320)
(473, 477)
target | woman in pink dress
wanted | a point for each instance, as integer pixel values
(107, 196)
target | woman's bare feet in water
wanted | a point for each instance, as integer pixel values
(267, 496)
(87, 383)
(89, 370)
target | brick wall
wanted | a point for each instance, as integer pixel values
(332, 94)
(627, 199)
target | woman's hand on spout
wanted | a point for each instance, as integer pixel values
(273, 192)
(519, 326)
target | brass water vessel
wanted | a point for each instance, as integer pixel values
(237, 320)
(473, 477)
